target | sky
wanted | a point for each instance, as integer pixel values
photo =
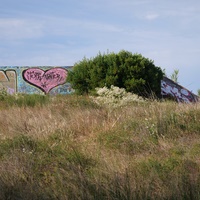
(63, 32)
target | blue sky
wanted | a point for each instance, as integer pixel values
(62, 32)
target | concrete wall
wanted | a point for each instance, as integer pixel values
(52, 80)
(178, 92)
(37, 80)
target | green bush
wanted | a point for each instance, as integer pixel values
(133, 72)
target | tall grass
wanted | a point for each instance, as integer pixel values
(69, 147)
(7, 100)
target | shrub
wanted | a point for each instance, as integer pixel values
(3, 94)
(133, 72)
(115, 97)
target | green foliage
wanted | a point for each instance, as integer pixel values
(29, 100)
(198, 92)
(3, 94)
(174, 75)
(133, 72)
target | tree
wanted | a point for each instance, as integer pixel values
(133, 72)
(174, 75)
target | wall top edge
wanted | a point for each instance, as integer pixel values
(34, 66)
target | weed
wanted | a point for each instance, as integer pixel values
(23, 100)
(69, 147)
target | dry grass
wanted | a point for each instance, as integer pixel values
(71, 148)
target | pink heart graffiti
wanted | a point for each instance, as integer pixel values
(45, 80)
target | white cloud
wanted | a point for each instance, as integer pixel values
(63, 26)
(44, 26)
(151, 16)
(14, 28)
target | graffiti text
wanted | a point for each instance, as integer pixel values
(45, 80)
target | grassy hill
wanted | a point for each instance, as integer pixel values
(69, 147)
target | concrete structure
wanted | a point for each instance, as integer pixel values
(176, 91)
(52, 80)
(39, 80)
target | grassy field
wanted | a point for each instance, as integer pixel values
(69, 147)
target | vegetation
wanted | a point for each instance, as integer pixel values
(71, 147)
(7, 100)
(115, 97)
(198, 92)
(133, 72)
(174, 75)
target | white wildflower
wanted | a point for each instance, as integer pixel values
(115, 96)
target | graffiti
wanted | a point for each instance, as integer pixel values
(170, 88)
(45, 80)
(52, 80)
(35, 80)
(8, 81)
